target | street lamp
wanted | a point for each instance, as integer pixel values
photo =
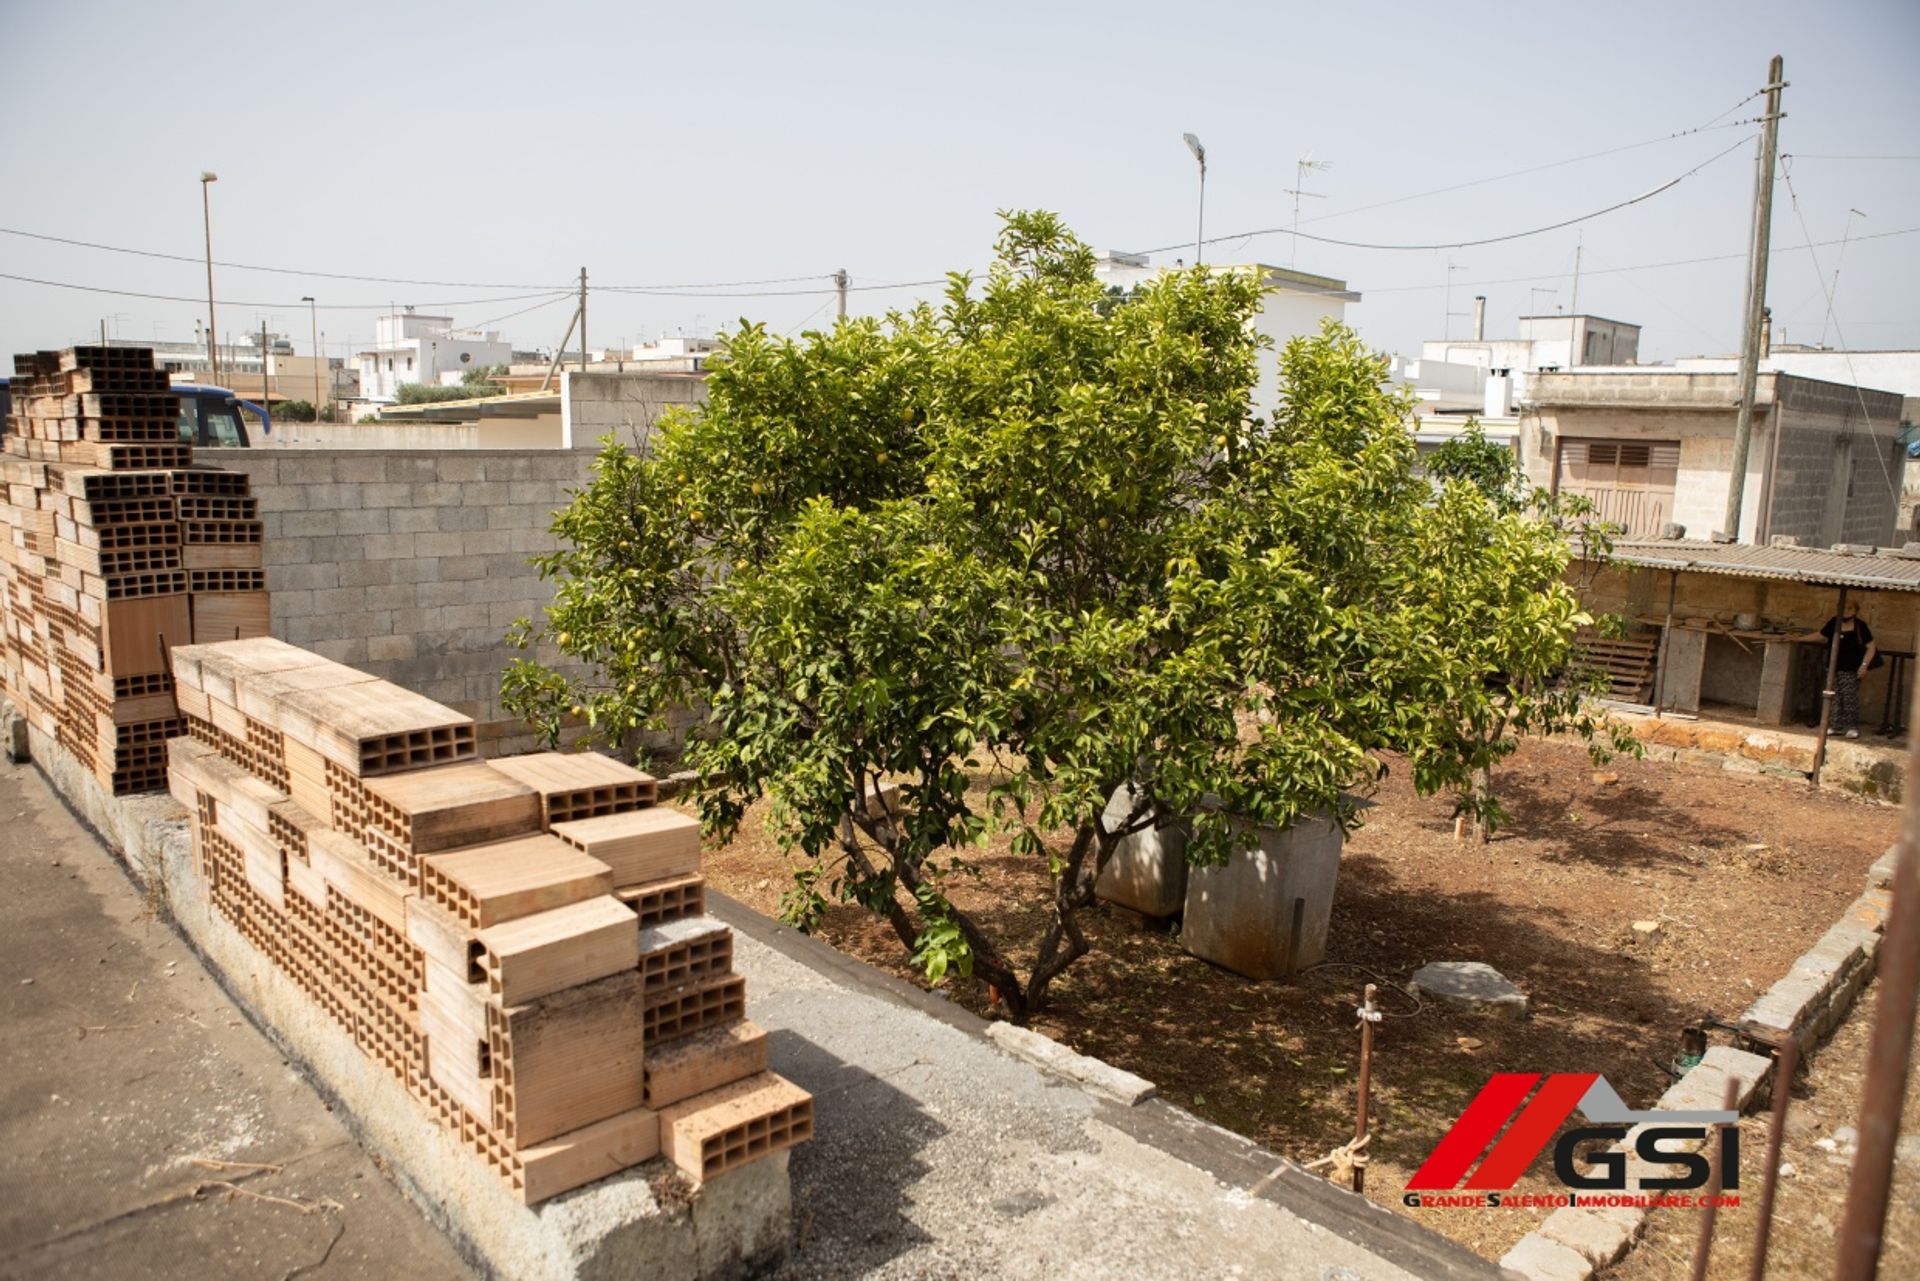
(313, 314)
(207, 178)
(1199, 154)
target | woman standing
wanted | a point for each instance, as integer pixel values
(1856, 655)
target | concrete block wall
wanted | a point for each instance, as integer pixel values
(600, 401)
(411, 565)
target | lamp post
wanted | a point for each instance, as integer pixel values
(313, 314)
(207, 178)
(1199, 234)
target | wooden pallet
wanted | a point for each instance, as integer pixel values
(1626, 662)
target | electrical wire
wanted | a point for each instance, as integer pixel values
(1502, 177)
(292, 306)
(280, 271)
(1468, 244)
(1645, 266)
(1793, 197)
(557, 298)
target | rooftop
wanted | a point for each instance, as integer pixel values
(1894, 569)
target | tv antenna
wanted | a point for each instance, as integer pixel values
(1301, 168)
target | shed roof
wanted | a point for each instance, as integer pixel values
(1880, 569)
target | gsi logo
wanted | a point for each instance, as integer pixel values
(1504, 1099)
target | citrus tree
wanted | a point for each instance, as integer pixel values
(1034, 535)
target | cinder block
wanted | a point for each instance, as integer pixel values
(412, 520)
(368, 520)
(389, 546)
(386, 494)
(1600, 1241)
(1538, 1259)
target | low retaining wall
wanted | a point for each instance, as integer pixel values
(1574, 1243)
(1853, 765)
(733, 1226)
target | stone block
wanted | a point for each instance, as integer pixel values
(1051, 1056)
(456, 468)
(413, 520)
(390, 649)
(362, 469)
(386, 494)
(459, 518)
(1264, 913)
(1598, 1240)
(1470, 985)
(1148, 870)
(390, 546)
(297, 578)
(369, 520)
(1539, 1259)
(437, 494)
(366, 573)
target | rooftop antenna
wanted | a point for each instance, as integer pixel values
(1835, 291)
(1301, 168)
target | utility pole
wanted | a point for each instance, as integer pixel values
(206, 221)
(840, 282)
(583, 320)
(1576, 340)
(319, 361)
(1200, 218)
(1758, 247)
(263, 361)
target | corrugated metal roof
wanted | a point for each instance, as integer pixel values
(1884, 570)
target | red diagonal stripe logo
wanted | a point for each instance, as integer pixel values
(1531, 1129)
(1469, 1137)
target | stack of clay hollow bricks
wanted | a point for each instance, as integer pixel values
(521, 942)
(113, 547)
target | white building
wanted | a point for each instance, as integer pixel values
(412, 348)
(1293, 306)
(1546, 344)
(676, 353)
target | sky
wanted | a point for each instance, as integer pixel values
(496, 149)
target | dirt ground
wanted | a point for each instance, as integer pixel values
(1815, 1160)
(1742, 872)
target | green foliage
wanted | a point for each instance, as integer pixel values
(433, 393)
(293, 411)
(1036, 533)
(483, 376)
(1487, 465)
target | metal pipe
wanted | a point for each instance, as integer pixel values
(1826, 695)
(1786, 1060)
(1887, 1056)
(1703, 1243)
(1368, 1017)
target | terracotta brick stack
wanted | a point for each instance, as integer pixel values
(521, 942)
(113, 547)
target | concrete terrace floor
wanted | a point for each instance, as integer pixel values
(124, 1061)
(936, 1154)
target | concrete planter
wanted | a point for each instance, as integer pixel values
(1148, 871)
(1265, 912)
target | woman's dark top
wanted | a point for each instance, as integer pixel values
(1853, 644)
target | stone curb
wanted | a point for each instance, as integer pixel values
(1048, 1055)
(1576, 1242)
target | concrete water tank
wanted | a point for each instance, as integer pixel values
(1265, 912)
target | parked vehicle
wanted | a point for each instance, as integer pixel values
(211, 416)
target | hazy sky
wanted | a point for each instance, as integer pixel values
(504, 146)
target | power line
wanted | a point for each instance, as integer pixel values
(1608, 271)
(1516, 173)
(1469, 244)
(279, 271)
(236, 302)
(1812, 155)
(385, 280)
(1793, 197)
